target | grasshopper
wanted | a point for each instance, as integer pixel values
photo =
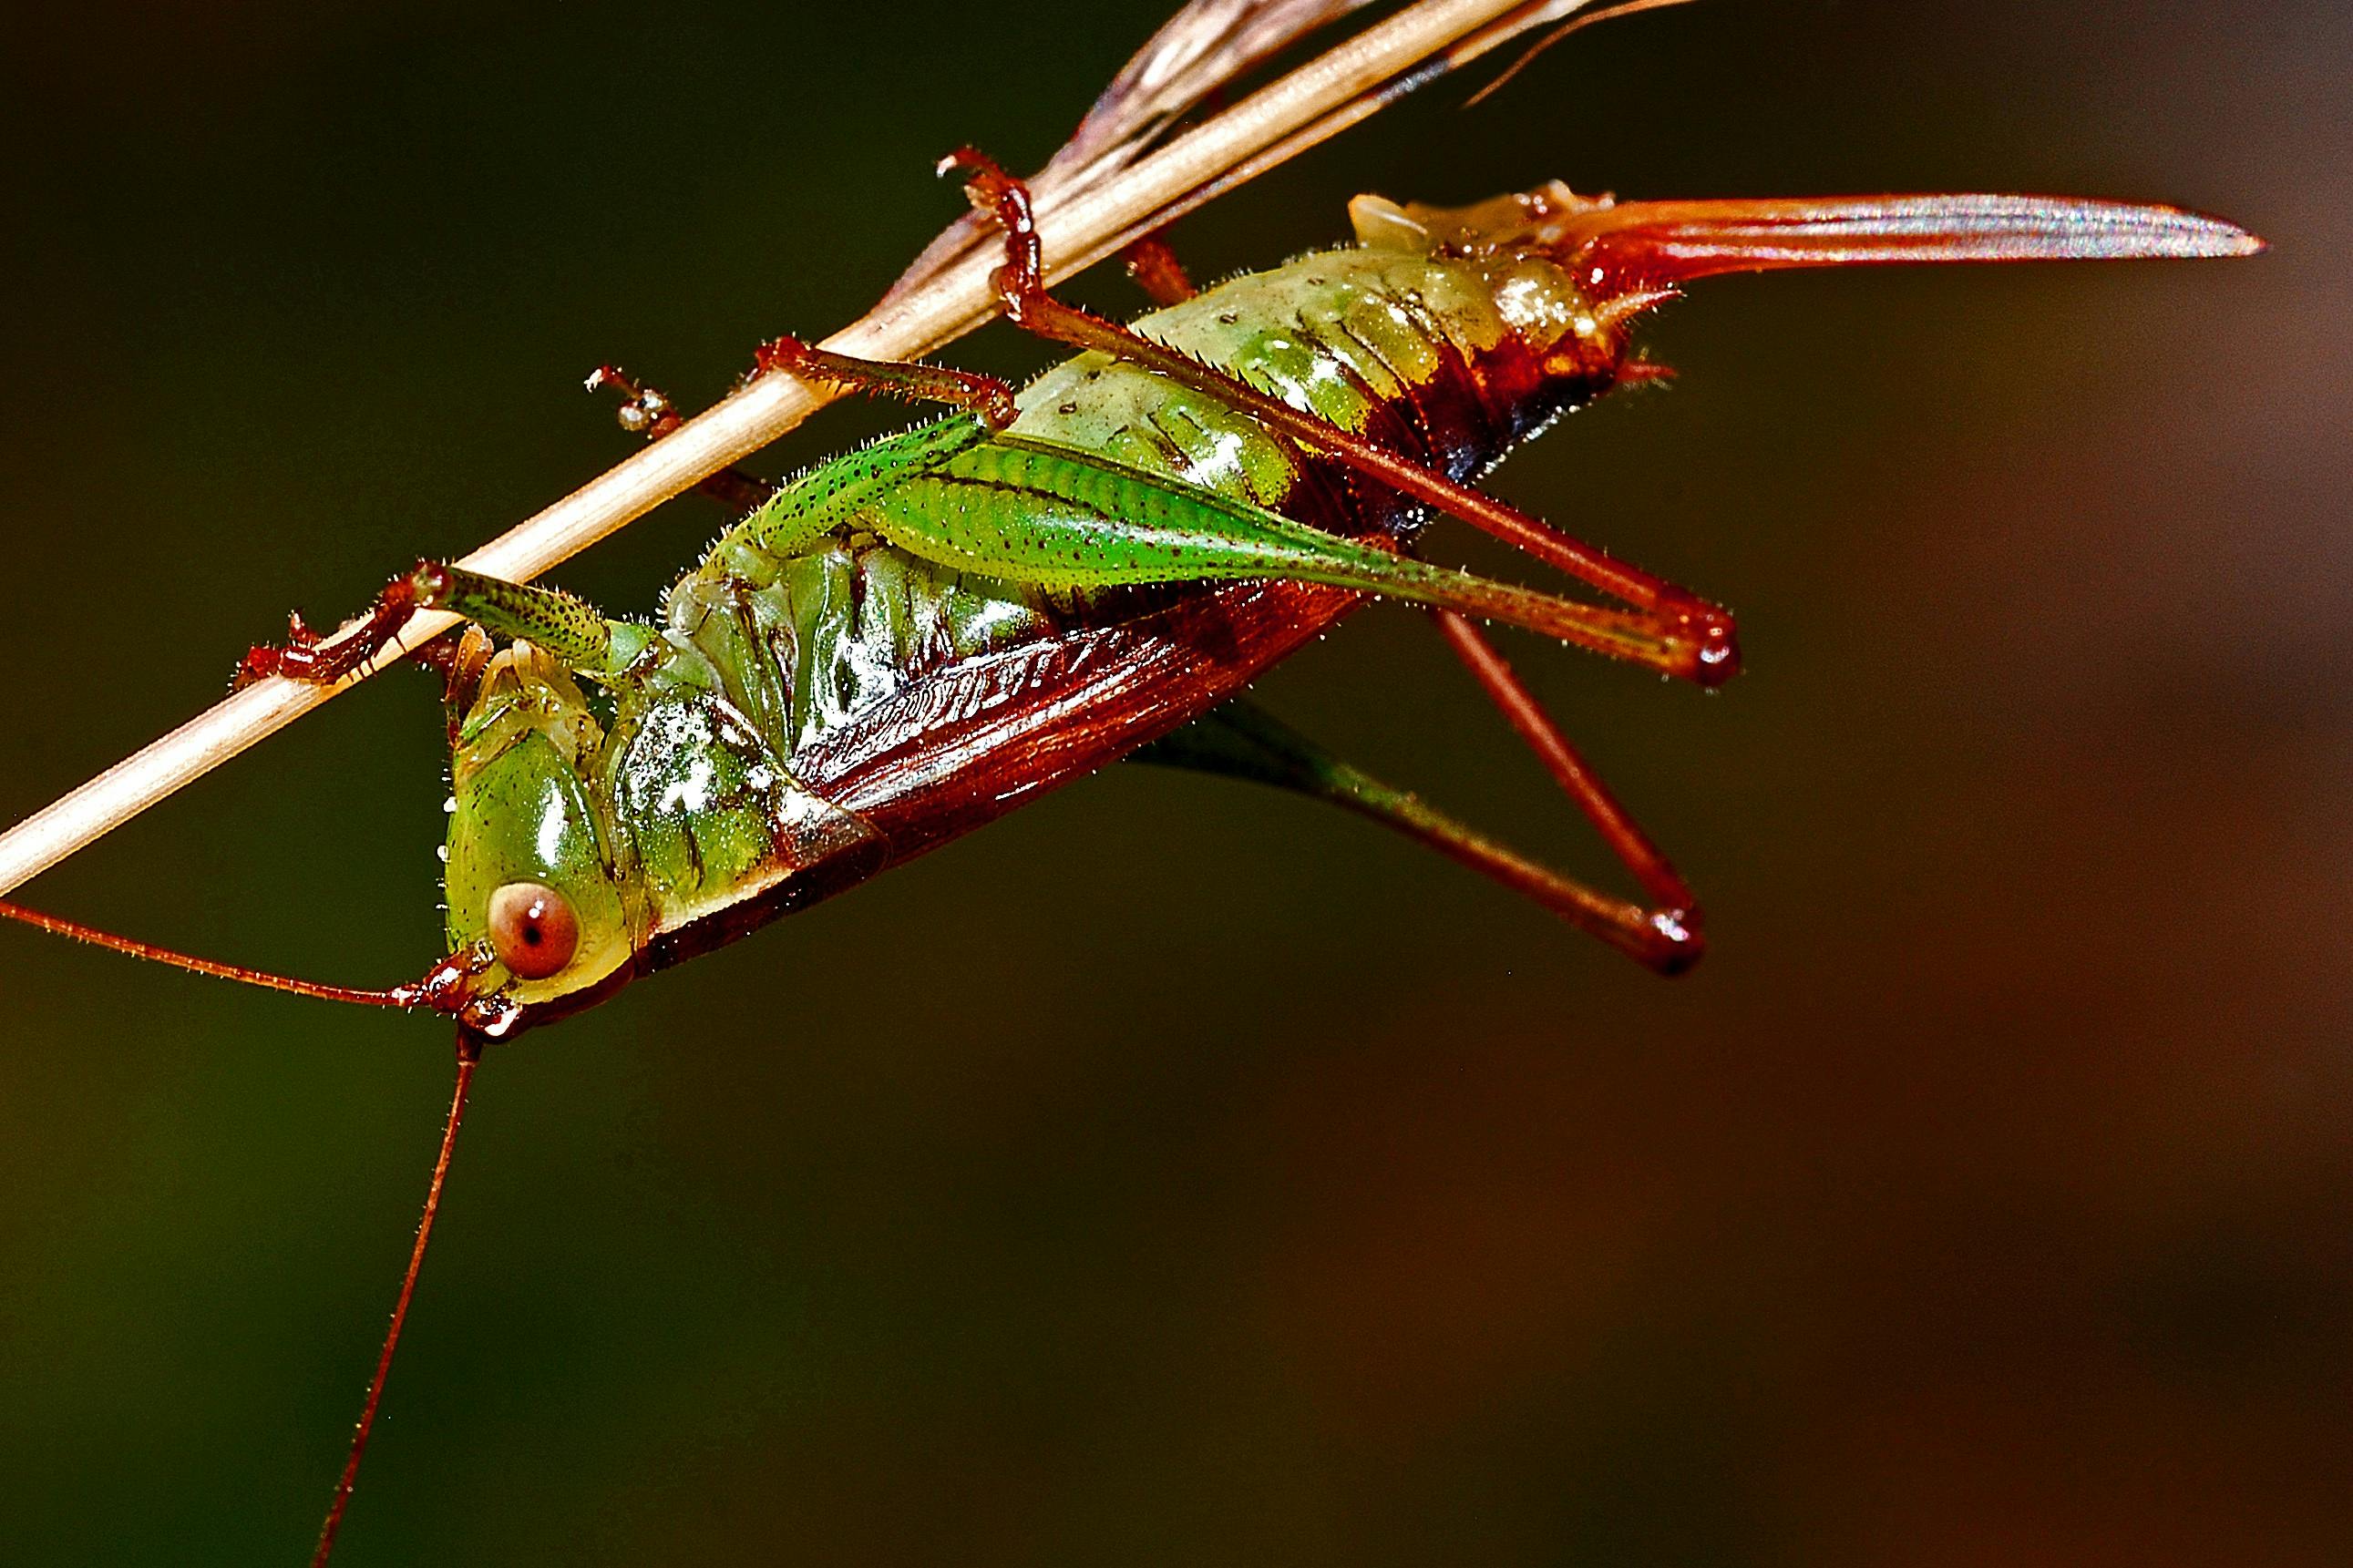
(909, 640)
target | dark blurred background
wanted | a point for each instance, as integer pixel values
(1173, 1173)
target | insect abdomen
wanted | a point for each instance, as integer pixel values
(1417, 351)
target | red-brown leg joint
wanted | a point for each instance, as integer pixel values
(1673, 943)
(1715, 641)
(998, 194)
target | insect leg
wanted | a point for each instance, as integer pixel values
(1673, 906)
(1700, 635)
(1057, 518)
(985, 395)
(460, 662)
(1244, 741)
(829, 494)
(568, 627)
(647, 411)
(1152, 263)
(650, 412)
(571, 630)
(306, 656)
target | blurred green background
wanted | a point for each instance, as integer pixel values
(1172, 1173)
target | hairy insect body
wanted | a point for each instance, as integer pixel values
(911, 639)
(691, 798)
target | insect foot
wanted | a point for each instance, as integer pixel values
(307, 657)
(1714, 638)
(995, 194)
(645, 410)
(1671, 943)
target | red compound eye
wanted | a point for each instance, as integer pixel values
(533, 929)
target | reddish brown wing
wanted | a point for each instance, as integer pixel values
(1646, 244)
(965, 745)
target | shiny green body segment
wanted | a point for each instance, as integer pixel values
(1342, 334)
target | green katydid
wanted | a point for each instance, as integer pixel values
(911, 639)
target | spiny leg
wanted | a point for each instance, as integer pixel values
(1674, 913)
(567, 627)
(1697, 637)
(573, 631)
(961, 493)
(651, 412)
(1058, 519)
(654, 414)
(983, 396)
(570, 629)
(964, 495)
(307, 657)
(1155, 265)
(1244, 741)
(556, 621)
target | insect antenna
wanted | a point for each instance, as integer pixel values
(429, 991)
(1573, 24)
(469, 1056)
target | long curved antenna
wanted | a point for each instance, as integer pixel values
(470, 1054)
(409, 994)
(1577, 24)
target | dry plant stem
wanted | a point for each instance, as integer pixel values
(1282, 116)
(1508, 23)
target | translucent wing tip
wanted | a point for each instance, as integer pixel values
(2202, 236)
(2029, 228)
(1673, 242)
